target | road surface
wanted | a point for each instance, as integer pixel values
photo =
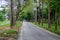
(31, 32)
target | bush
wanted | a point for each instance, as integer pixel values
(8, 33)
(1, 17)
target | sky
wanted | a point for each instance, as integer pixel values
(3, 3)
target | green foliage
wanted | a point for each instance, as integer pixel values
(1, 17)
(5, 23)
(7, 33)
(45, 13)
(55, 4)
(10, 31)
(27, 16)
(18, 24)
(52, 29)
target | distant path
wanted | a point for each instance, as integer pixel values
(30, 32)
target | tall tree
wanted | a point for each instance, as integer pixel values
(55, 6)
(42, 11)
(56, 19)
(49, 15)
(39, 20)
(18, 9)
(35, 10)
(11, 16)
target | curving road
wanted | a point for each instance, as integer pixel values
(31, 32)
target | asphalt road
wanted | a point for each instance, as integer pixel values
(31, 32)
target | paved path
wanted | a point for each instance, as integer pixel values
(30, 32)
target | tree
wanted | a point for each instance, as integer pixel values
(29, 16)
(18, 9)
(11, 16)
(39, 20)
(1, 16)
(55, 6)
(42, 11)
(49, 22)
(56, 19)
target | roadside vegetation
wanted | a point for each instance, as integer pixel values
(43, 13)
(52, 29)
(6, 33)
(48, 15)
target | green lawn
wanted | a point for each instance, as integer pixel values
(5, 23)
(5, 30)
(52, 29)
(7, 33)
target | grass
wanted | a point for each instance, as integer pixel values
(7, 33)
(5, 23)
(18, 24)
(5, 30)
(52, 29)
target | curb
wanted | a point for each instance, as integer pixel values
(46, 30)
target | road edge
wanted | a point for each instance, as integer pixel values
(46, 30)
(20, 33)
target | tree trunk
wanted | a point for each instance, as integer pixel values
(49, 22)
(18, 9)
(17, 14)
(58, 22)
(39, 20)
(42, 11)
(56, 19)
(11, 16)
